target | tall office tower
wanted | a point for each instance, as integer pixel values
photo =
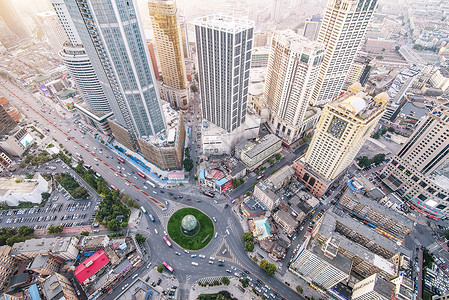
(7, 123)
(111, 33)
(345, 124)
(418, 172)
(164, 20)
(49, 23)
(342, 30)
(293, 65)
(224, 47)
(184, 36)
(12, 19)
(312, 28)
(80, 67)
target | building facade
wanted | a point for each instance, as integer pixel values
(293, 66)
(57, 286)
(5, 161)
(7, 123)
(417, 173)
(112, 36)
(343, 128)
(167, 38)
(342, 30)
(224, 46)
(7, 266)
(268, 199)
(255, 154)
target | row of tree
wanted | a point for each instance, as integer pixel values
(365, 161)
(72, 186)
(10, 236)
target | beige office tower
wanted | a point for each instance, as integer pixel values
(345, 124)
(419, 171)
(293, 66)
(167, 37)
(342, 30)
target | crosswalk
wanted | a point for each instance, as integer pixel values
(212, 279)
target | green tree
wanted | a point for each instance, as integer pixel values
(278, 156)
(160, 268)
(255, 259)
(55, 229)
(363, 161)
(140, 239)
(225, 280)
(188, 164)
(113, 225)
(271, 161)
(378, 158)
(263, 264)
(25, 230)
(85, 233)
(248, 237)
(194, 88)
(299, 289)
(248, 193)
(271, 269)
(249, 246)
(45, 196)
(244, 282)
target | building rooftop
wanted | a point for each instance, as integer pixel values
(340, 261)
(259, 146)
(91, 266)
(267, 191)
(287, 218)
(39, 262)
(281, 175)
(40, 246)
(415, 110)
(17, 185)
(253, 206)
(52, 288)
(262, 227)
(62, 244)
(224, 23)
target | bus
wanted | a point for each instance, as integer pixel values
(166, 241)
(141, 175)
(208, 194)
(113, 187)
(97, 175)
(150, 183)
(152, 218)
(121, 160)
(167, 266)
(143, 210)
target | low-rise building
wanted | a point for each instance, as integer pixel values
(17, 189)
(281, 178)
(45, 265)
(16, 142)
(251, 208)
(286, 221)
(64, 248)
(373, 287)
(321, 265)
(260, 228)
(88, 268)
(267, 197)
(255, 154)
(57, 287)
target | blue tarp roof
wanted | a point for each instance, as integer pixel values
(221, 182)
(202, 174)
(34, 292)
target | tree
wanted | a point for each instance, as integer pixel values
(248, 193)
(140, 239)
(299, 289)
(263, 264)
(113, 225)
(378, 158)
(194, 88)
(160, 268)
(271, 161)
(363, 161)
(446, 234)
(248, 237)
(188, 164)
(271, 269)
(278, 156)
(84, 233)
(249, 246)
(244, 282)
(25, 230)
(55, 229)
(45, 196)
(225, 280)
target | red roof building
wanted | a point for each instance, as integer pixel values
(91, 266)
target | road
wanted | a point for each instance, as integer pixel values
(123, 176)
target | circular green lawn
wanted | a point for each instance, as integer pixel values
(200, 239)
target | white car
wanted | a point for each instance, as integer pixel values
(145, 187)
(194, 263)
(155, 230)
(165, 233)
(126, 183)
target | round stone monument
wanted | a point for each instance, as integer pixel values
(189, 225)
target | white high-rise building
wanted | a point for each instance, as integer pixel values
(224, 47)
(80, 67)
(49, 23)
(293, 66)
(342, 30)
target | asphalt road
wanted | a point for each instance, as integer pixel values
(93, 153)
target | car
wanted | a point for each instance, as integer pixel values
(211, 262)
(154, 192)
(145, 187)
(126, 183)
(194, 263)
(201, 256)
(187, 251)
(125, 286)
(165, 233)
(189, 199)
(178, 253)
(155, 230)
(227, 270)
(159, 281)
(193, 255)
(215, 220)
(234, 268)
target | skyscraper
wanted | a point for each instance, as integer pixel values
(418, 172)
(224, 47)
(345, 124)
(49, 23)
(78, 63)
(293, 65)
(111, 33)
(312, 28)
(342, 30)
(164, 20)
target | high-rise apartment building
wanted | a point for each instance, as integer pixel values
(111, 34)
(78, 63)
(312, 28)
(293, 66)
(344, 126)
(224, 47)
(7, 123)
(7, 266)
(49, 23)
(342, 30)
(418, 172)
(167, 37)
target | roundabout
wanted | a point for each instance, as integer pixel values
(190, 228)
